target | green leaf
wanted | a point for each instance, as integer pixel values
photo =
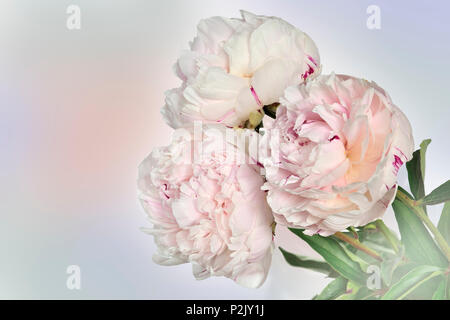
(423, 150)
(405, 192)
(357, 258)
(444, 222)
(416, 170)
(440, 293)
(356, 292)
(271, 110)
(305, 262)
(351, 292)
(448, 287)
(334, 289)
(438, 195)
(388, 266)
(425, 290)
(419, 245)
(375, 239)
(403, 269)
(335, 255)
(411, 281)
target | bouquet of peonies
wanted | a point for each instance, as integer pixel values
(262, 138)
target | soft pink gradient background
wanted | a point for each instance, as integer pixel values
(80, 110)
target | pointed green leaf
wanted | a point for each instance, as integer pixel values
(423, 150)
(419, 245)
(334, 289)
(305, 262)
(411, 281)
(271, 110)
(444, 222)
(416, 170)
(335, 255)
(438, 195)
(440, 293)
(415, 176)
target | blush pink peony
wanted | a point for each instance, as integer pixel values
(207, 208)
(335, 150)
(236, 66)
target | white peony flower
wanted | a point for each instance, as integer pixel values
(207, 208)
(236, 66)
(336, 147)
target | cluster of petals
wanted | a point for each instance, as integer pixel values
(335, 150)
(236, 66)
(207, 208)
(329, 160)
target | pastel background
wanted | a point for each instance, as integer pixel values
(80, 110)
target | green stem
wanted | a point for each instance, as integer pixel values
(388, 235)
(353, 231)
(418, 210)
(358, 245)
(274, 225)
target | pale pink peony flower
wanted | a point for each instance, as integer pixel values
(236, 66)
(335, 150)
(207, 208)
